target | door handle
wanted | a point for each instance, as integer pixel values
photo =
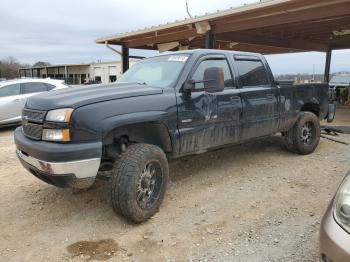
(235, 99)
(270, 96)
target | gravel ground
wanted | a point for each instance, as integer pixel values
(253, 202)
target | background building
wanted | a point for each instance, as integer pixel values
(76, 74)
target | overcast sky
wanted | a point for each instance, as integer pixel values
(64, 31)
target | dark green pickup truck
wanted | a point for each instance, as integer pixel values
(162, 108)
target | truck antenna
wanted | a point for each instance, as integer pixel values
(188, 12)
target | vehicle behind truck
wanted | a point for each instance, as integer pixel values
(162, 108)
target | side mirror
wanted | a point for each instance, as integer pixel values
(213, 81)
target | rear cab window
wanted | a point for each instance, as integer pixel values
(252, 72)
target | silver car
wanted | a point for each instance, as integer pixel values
(335, 226)
(14, 94)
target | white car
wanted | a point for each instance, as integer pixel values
(14, 94)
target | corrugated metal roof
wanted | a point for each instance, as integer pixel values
(269, 27)
(53, 66)
(195, 19)
(72, 65)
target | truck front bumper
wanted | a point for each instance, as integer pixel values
(62, 165)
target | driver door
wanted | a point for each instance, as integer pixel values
(209, 119)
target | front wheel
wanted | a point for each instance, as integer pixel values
(139, 181)
(304, 136)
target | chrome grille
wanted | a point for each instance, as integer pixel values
(33, 131)
(32, 123)
(33, 115)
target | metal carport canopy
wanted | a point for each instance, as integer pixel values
(268, 27)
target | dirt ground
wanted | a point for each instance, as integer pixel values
(253, 202)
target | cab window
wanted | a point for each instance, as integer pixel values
(252, 73)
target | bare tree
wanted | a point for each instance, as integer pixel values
(41, 64)
(9, 68)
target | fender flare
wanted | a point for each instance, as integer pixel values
(154, 120)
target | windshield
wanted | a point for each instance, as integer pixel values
(161, 71)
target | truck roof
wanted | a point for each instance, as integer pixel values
(204, 51)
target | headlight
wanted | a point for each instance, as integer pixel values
(62, 115)
(342, 205)
(59, 135)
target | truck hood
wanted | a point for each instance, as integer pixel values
(75, 97)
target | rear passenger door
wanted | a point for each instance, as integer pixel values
(260, 97)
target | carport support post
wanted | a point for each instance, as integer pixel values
(328, 65)
(66, 74)
(209, 40)
(125, 58)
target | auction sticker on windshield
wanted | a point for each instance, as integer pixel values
(178, 58)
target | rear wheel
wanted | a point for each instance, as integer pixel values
(304, 136)
(139, 182)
